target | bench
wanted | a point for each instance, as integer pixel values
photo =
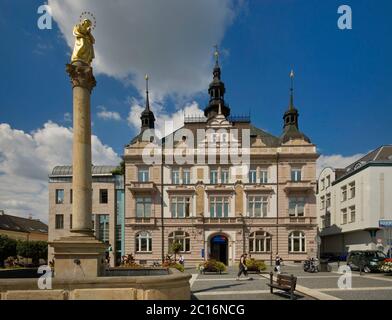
(284, 283)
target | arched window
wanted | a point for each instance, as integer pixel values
(297, 241)
(143, 242)
(181, 237)
(260, 241)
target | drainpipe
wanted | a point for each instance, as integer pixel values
(277, 201)
(162, 224)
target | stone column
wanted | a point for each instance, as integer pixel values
(83, 81)
(80, 256)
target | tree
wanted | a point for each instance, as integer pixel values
(7, 248)
(175, 248)
(120, 170)
(33, 249)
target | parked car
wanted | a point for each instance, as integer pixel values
(370, 260)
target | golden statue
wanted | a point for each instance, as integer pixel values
(83, 49)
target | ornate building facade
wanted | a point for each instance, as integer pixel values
(217, 209)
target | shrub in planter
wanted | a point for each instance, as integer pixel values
(212, 266)
(255, 265)
(7, 248)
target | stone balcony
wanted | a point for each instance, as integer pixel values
(136, 186)
(302, 186)
(140, 221)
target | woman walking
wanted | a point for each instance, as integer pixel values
(243, 268)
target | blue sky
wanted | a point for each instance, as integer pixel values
(342, 77)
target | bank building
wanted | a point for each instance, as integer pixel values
(213, 209)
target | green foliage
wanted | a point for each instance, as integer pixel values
(120, 170)
(32, 249)
(255, 265)
(175, 247)
(212, 266)
(7, 248)
(178, 266)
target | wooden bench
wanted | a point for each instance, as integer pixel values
(284, 283)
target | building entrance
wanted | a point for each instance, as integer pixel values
(219, 248)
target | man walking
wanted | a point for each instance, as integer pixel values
(278, 261)
(243, 268)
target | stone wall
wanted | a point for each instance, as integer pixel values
(174, 286)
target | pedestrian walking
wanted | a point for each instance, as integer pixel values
(278, 262)
(181, 260)
(243, 269)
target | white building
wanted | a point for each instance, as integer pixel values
(352, 201)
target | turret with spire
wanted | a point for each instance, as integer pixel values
(216, 91)
(147, 116)
(290, 118)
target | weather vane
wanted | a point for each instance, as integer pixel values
(216, 53)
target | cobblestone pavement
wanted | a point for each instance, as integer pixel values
(214, 286)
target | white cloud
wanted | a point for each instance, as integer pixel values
(170, 40)
(26, 159)
(108, 115)
(336, 161)
(165, 123)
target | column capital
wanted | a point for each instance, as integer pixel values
(81, 75)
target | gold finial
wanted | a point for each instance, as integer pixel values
(84, 41)
(146, 77)
(292, 73)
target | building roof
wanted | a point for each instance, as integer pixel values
(66, 171)
(381, 155)
(19, 224)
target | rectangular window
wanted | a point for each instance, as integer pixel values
(322, 184)
(344, 216)
(186, 176)
(352, 190)
(59, 196)
(257, 206)
(327, 219)
(143, 207)
(70, 196)
(70, 221)
(328, 181)
(180, 207)
(252, 175)
(344, 193)
(264, 176)
(296, 206)
(214, 176)
(103, 228)
(225, 176)
(103, 195)
(219, 207)
(143, 175)
(328, 200)
(295, 174)
(175, 176)
(352, 214)
(59, 221)
(322, 202)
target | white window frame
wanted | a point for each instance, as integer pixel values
(298, 201)
(175, 175)
(143, 175)
(297, 236)
(225, 175)
(144, 202)
(177, 202)
(344, 216)
(296, 174)
(143, 236)
(252, 175)
(183, 238)
(186, 176)
(214, 203)
(256, 202)
(263, 176)
(214, 176)
(352, 190)
(260, 242)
